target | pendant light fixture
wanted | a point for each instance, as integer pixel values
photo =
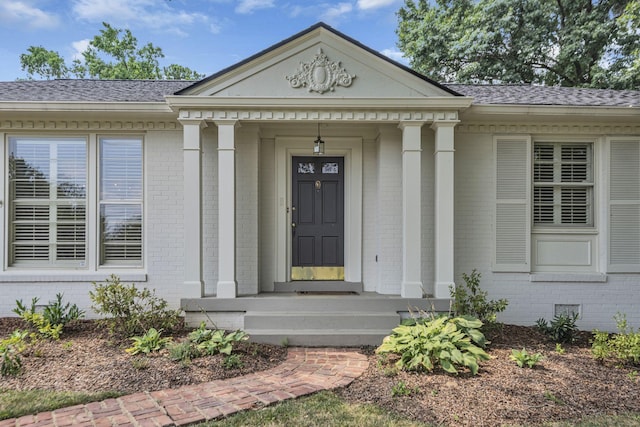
(318, 147)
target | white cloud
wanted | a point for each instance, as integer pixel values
(396, 55)
(248, 6)
(79, 47)
(335, 13)
(374, 4)
(148, 13)
(23, 13)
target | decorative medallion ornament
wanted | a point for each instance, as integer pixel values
(320, 75)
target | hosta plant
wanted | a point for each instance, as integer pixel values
(451, 343)
(214, 341)
(150, 342)
(524, 359)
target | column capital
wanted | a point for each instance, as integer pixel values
(403, 124)
(228, 122)
(185, 121)
(439, 124)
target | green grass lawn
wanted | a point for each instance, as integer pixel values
(15, 404)
(324, 409)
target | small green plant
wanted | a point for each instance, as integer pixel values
(140, 363)
(214, 341)
(10, 349)
(450, 343)
(58, 313)
(559, 348)
(553, 398)
(42, 326)
(624, 346)
(562, 328)
(633, 375)
(183, 352)
(285, 342)
(401, 389)
(131, 311)
(468, 299)
(150, 342)
(524, 359)
(232, 361)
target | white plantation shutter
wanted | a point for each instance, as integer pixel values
(47, 180)
(624, 206)
(512, 214)
(121, 201)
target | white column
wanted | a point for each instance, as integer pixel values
(444, 208)
(227, 282)
(411, 286)
(193, 281)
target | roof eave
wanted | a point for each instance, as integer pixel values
(428, 103)
(564, 112)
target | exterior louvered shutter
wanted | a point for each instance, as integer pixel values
(513, 205)
(624, 206)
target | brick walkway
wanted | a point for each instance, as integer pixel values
(305, 371)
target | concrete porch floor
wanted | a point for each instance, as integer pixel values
(309, 320)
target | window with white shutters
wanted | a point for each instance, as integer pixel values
(562, 184)
(120, 201)
(48, 201)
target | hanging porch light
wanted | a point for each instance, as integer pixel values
(318, 144)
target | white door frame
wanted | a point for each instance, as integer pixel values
(351, 149)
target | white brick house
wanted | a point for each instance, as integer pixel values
(210, 192)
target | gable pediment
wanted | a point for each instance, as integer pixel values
(319, 62)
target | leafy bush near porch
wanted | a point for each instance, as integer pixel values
(131, 311)
(624, 346)
(450, 343)
(53, 318)
(562, 329)
(204, 341)
(468, 299)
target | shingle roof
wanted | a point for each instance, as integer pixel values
(155, 90)
(547, 95)
(90, 90)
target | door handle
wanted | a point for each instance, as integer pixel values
(293, 225)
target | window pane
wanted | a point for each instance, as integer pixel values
(121, 169)
(121, 201)
(563, 184)
(121, 227)
(47, 182)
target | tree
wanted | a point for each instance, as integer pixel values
(113, 54)
(584, 43)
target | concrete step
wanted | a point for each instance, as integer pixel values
(328, 320)
(318, 338)
(282, 303)
(318, 285)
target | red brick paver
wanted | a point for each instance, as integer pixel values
(306, 371)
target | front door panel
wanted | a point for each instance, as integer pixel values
(317, 215)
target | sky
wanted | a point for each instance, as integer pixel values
(204, 35)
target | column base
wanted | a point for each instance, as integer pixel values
(442, 289)
(411, 290)
(227, 289)
(192, 289)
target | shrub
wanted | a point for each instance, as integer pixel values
(522, 358)
(562, 329)
(151, 341)
(53, 314)
(441, 341)
(183, 352)
(42, 326)
(131, 311)
(470, 300)
(58, 313)
(623, 346)
(10, 349)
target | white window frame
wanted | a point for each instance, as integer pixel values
(92, 269)
(557, 226)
